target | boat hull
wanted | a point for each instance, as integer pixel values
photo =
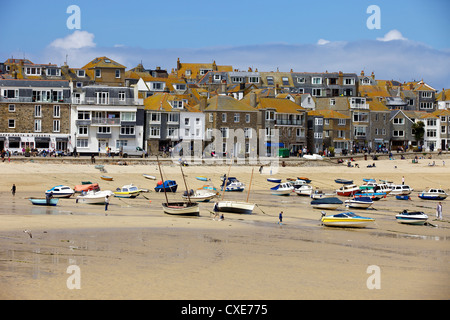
(346, 223)
(94, 197)
(357, 204)
(43, 202)
(106, 178)
(326, 203)
(431, 197)
(235, 207)
(147, 176)
(181, 208)
(410, 220)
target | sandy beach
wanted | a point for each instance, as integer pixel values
(138, 252)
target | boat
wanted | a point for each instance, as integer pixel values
(307, 180)
(376, 187)
(313, 157)
(305, 190)
(282, 189)
(298, 183)
(345, 219)
(167, 186)
(235, 207)
(232, 184)
(331, 203)
(199, 195)
(347, 190)
(413, 217)
(400, 189)
(274, 180)
(61, 191)
(209, 187)
(403, 197)
(433, 194)
(127, 191)
(86, 187)
(183, 208)
(99, 166)
(107, 178)
(147, 176)
(359, 202)
(319, 194)
(44, 202)
(375, 196)
(94, 197)
(343, 181)
(202, 178)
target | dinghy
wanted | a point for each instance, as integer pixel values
(147, 176)
(44, 202)
(359, 202)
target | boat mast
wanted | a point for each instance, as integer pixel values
(162, 179)
(182, 173)
(225, 181)
(249, 186)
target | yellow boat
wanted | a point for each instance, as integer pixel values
(345, 219)
(127, 191)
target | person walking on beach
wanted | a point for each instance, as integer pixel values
(439, 211)
(403, 180)
(280, 218)
(13, 190)
(106, 202)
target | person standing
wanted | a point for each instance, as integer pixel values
(280, 218)
(439, 211)
(403, 180)
(13, 190)
(106, 202)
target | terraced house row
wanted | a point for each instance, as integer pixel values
(104, 107)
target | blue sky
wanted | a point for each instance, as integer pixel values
(300, 35)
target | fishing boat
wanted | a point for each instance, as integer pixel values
(282, 189)
(202, 178)
(107, 178)
(274, 180)
(331, 203)
(319, 194)
(94, 197)
(403, 197)
(347, 190)
(86, 187)
(305, 190)
(166, 186)
(345, 219)
(44, 202)
(376, 187)
(413, 217)
(232, 184)
(147, 176)
(235, 207)
(199, 195)
(400, 189)
(359, 202)
(61, 191)
(343, 181)
(433, 194)
(127, 191)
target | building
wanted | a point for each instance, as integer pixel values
(105, 71)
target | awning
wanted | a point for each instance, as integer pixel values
(61, 139)
(14, 139)
(271, 144)
(42, 139)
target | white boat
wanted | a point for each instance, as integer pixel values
(359, 202)
(147, 176)
(347, 190)
(413, 217)
(400, 189)
(319, 194)
(61, 191)
(283, 189)
(183, 208)
(298, 183)
(127, 191)
(326, 203)
(313, 157)
(94, 197)
(378, 187)
(232, 184)
(345, 219)
(199, 195)
(234, 206)
(433, 194)
(304, 190)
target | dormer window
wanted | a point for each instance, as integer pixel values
(53, 72)
(188, 73)
(81, 73)
(32, 71)
(98, 73)
(177, 104)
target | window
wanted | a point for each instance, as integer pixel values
(154, 132)
(318, 121)
(300, 132)
(399, 121)
(316, 80)
(217, 77)
(127, 130)
(180, 87)
(327, 122)
(237, 117)
(341, 122)
(53, 72)
(172, 132)
(10, 94)
(188, 73)
(83, 130)
(102, 97)
(360, 131)
(155, 117)
(32, 71)
(248, 133)
(332, 102)
(11, 123)
(12, 108)
(37, 125)
(211, 117)
(361, 117)
(247, 118)
(186, 121)
(224, 132)
(224, 117)
(318, 135)
(270, 115)
(98, 73)
(158, 86)
(56, 111)
(81, 73)
(301, 80)
(56, 125)
(270, 81)
(427, 94)
(121, 143)
(398, 133)
(82, 143)
(431, 122)
(84, 115)
(128, 116)
(426, 105)
(204, 71)
(174, 117)
(285, 81)
(177, 104)
(443, 129)
(117, 73)
(237, 79)
(341, 134)
(208, 133)
(316, 92)
(121, 96)
(253, 79)
(349, 81)
(37, 111)
(431, 133)
(104, 130)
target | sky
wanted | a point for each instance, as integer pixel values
(404, 40)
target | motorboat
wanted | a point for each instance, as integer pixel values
(376, 187)
(199, 195)
(307, 180)
(331, 203)
(313, 157)
(86, 187)
(282, 189)
(234, 206)
(403, 197)
(298, 183)
(319, 194)
(167, 186)
(359, 202)
(433, 194)
(209, 187)
(401, 189)
(343, 181)
(347, 190)
(127, 191)
(305, 190)
(94, 197)
(61, 191)
(345, 219)
(232, 184)
(183, 208)
(375, 196)
(413, 217)
(44, 202)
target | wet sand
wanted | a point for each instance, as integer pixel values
(138, 252)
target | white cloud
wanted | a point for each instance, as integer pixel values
(322, 42)
(77, 40)
(392, 35)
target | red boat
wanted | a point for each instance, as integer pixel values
(86, 187)
(347, 190)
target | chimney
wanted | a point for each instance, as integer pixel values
(362, 73)
(298, 100)
(178, 64)
(224, 86)
(373, 75)
(443, 94)
(253, 99)
(203, 103)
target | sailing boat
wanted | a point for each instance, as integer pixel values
(235, 206)
(185, 208)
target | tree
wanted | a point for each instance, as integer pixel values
(418, 130)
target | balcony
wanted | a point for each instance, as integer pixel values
(359, 106)
(107, 101)
(105, 121)
(31, 99)
(284, 122)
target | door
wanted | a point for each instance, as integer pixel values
(102, 145)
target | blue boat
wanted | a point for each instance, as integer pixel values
(169, 186)
(433, 194)
(343, 181)
(402, 197)
(373, 195)
(44, 202)
(274, 180)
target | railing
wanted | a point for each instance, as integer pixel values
(107, 101)
(106, 121)
(289, 122)
(31, 99)
(359, 105)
